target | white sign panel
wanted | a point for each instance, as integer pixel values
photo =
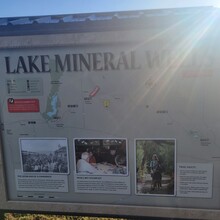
(194, 180)
(40, 182)
(97, 121)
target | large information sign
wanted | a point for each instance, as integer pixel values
(119, 122)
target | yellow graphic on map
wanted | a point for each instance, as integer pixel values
(106, 103)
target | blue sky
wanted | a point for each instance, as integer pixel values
(14, 8)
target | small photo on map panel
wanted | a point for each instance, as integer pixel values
(155, 166)
(101, 156)
(44, 155)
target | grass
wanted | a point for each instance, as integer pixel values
(13, 216)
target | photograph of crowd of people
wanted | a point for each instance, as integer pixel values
(44, 155)
(155, 166)
(101, 156)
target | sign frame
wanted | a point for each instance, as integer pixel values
(73, 39)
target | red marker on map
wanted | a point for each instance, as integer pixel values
(95, 91)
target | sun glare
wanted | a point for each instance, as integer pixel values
(217, 4)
